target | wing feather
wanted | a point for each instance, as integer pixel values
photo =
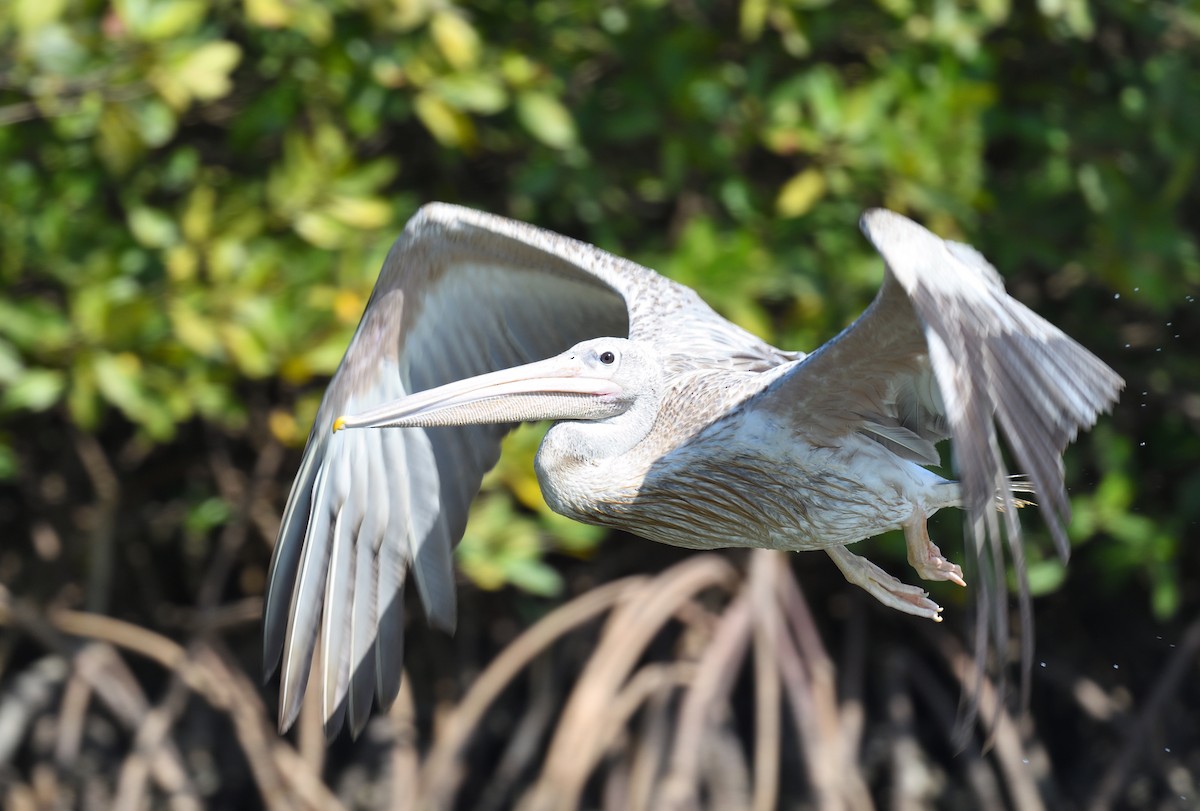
(943, 311)
(363, 631)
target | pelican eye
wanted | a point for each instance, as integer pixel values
(607, 358)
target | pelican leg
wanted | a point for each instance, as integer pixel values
(925, 557)
(882, 586)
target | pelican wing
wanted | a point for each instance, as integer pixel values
(461, 293)
(945, 352)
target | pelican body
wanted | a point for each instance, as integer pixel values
(669, 422)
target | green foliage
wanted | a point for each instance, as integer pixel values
(195, 197)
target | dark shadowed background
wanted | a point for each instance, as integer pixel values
(195, 199)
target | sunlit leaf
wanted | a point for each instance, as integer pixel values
(535, 577)
(152, 228)
(198, 213)
(31, 15)
(321, 230)
(476, 92)
(118, 143)
(246, 349)
(801, 193)
(33, 324)
(202, 74)
(447, 125)
(1045, 576)
(208, 515)
(455, 38)
(269, 13)
(162, 19)
(34, 389)
(194, 331)
(546, 119)
(753, 16)
(10, 363)
(360, 212)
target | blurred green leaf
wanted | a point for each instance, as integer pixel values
(34, 389)
(546, 119)
(800, 193)
(151, 228)
(455, 38)
(9, 464)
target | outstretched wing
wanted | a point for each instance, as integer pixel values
(461, 293)
(945, 352)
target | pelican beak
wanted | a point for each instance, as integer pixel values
(555, 389)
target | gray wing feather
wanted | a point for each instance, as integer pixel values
(995, 360)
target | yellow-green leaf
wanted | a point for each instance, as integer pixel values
(10, 363)
(753, 17)
(31, 15)
(117, 377)
(449, 126)
(246, 349)
(198, 213)
(204, 73)
(477, 92)
(800, 193)
(152, 228)
(268, 13)
(35, 389)
(360, 212)
(546, 119)
(193, 330)
(320, 230)
(162, 19)
(118, 142)
(455, 38)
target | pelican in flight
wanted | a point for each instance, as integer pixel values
(669, 422)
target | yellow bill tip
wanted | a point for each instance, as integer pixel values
(339, 424)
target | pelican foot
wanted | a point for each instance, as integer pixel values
(925, 557)
(883, 587)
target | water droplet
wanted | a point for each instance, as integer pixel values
(1167, 749)
(1126, 346)
(1043, 664)
(1118, 667)
(1159, 349)
(1168, 323)
(1142, 444)
(1116, 296)
(1025, 760)
(1136, 289)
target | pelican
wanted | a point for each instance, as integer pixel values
(668, 422)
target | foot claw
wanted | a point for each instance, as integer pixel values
(938, 568)
(925, 557)
(883, 587)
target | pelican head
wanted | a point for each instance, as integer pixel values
(594, 380)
